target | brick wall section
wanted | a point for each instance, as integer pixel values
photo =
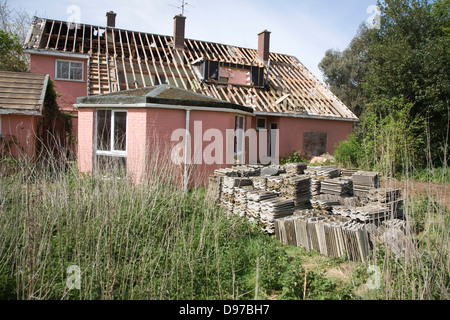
(179, 30)
(264, 45)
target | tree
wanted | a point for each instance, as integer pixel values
(409, 60)
(344, 72)
(11, 53)
(404, 81)
(14, 21)
(13, 26)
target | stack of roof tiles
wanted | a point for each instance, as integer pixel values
(339, 186)
(363, 181)
(298, 189)
(240, 200)
(274, 209)
(338, 225)
(295, 168)
(332, 236)
(254, 199)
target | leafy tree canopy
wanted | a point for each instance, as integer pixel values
(401, 68)
(11, 53)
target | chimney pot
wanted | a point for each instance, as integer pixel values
(111, 19)
(179, 31)
(264, 45)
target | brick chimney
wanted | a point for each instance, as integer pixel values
(264, 45)
(178, 31)
(111, 19)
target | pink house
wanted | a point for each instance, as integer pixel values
(281, 93)
(21, 106)
(153, 126)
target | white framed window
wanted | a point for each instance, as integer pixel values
(111, 133)
(69, 70)
(261, 124)
(110, 139)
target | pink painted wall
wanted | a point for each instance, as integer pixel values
(160, 124)
(23, 129)
(137, 132)
(70, 90)
(149, 145)
(86, 118)
(220, 121)
(292, 129)
(235, 76)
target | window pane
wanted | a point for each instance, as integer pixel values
(76, 74)
(63, 70)
(120, 131)
(111, 165)
(77, 65)
(76, 71)
(261, 123)
(104, 130)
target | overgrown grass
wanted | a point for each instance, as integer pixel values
(146, 241)
(436, 175)
(151, 241)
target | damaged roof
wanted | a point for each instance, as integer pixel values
(22, 92)
(123, 59)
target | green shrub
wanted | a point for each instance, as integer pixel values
(348, 152)
(296, 157)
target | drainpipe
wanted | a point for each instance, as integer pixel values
(186, 148)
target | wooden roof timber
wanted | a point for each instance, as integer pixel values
(147, 57)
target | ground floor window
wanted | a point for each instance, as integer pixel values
(261, 124)
(111, 138)
(315, 143)
(0, 125)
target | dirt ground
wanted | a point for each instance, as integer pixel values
(438, 191)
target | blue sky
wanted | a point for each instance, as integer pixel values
(302, 28)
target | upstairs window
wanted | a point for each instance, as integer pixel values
(163, 80)
(69, 70)
(229, 73)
